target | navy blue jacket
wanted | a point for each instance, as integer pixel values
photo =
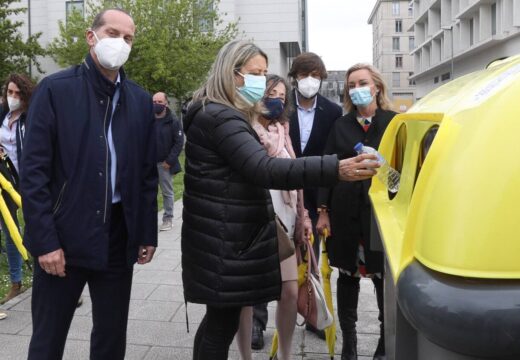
(170, 140)
(65, 170)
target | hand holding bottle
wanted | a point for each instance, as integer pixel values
(388, 175)
(357, 168)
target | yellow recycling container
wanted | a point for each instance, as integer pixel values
(452, 232)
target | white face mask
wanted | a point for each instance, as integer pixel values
(309, 86)
(112, 53)
(13, 103)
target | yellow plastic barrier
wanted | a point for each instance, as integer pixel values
(5, 185)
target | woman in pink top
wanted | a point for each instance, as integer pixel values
(273, 130)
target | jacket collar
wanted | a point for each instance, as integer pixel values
(98, 80)
(168, 118)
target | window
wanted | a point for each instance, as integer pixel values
(471, 39)
(411, 43)
(410, 8)
(72, 6)
(436, 80)
(399, 62)
(395, 44)
(445, 76)
(494, 19)
(341, 85)
(396, 79)
(410, 81)
(202, 13)
(395, 7)
(398, 26)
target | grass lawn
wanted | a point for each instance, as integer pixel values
(5, 282)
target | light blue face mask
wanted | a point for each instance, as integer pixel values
(361, 96)
(254, 87)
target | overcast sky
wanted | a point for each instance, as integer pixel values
(339, 32)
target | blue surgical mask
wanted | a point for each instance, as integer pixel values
(254, 87)
(275, 107)
(361, 96)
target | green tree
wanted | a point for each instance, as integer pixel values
(70, 47)
(175, 42)
(16, 54)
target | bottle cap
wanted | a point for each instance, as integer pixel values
(358, 147)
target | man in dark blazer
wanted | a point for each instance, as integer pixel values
(311, 120)
(310, 123)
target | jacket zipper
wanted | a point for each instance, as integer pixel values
(106, 160)
(60, 198)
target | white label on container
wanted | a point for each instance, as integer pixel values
(496, 84)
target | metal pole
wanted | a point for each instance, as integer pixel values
(29, 31)
(452, 74)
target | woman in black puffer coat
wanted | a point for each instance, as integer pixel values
(229, 245)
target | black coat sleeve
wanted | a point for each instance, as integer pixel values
(36, 171)
(236, 143)
(149, 182)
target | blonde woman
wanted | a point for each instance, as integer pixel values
(345, 208)
(229, 246)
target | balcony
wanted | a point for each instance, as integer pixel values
(469, 11)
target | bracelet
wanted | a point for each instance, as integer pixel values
(322, 209)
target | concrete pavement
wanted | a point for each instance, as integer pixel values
(157, 319)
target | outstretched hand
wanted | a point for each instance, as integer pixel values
(356, 168)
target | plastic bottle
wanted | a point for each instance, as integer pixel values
(388, 175)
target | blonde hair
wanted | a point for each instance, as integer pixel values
(382, 100)
(220, 86)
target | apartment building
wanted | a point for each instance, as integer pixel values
(333, 86)
(456, 37)
(393, 41)
(279, 27)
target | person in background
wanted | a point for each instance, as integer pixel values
(310, 124)
(89, 191)
(346, 210)
(273, 130)
(16, 96)
(170, 139)
(229, 246)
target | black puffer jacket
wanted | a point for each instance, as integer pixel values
(229, 246)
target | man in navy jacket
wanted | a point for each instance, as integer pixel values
(89, 187)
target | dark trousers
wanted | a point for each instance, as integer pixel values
(260, 315)
(215, 333)
(54, 300)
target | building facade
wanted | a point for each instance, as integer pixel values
(393, 42)
(279, 27)
(456, 37)
(333, 86)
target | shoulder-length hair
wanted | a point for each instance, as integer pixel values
(220, 86)
(25, 85)
(272, 81)
(382, 100)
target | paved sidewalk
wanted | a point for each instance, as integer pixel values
(157, 320)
